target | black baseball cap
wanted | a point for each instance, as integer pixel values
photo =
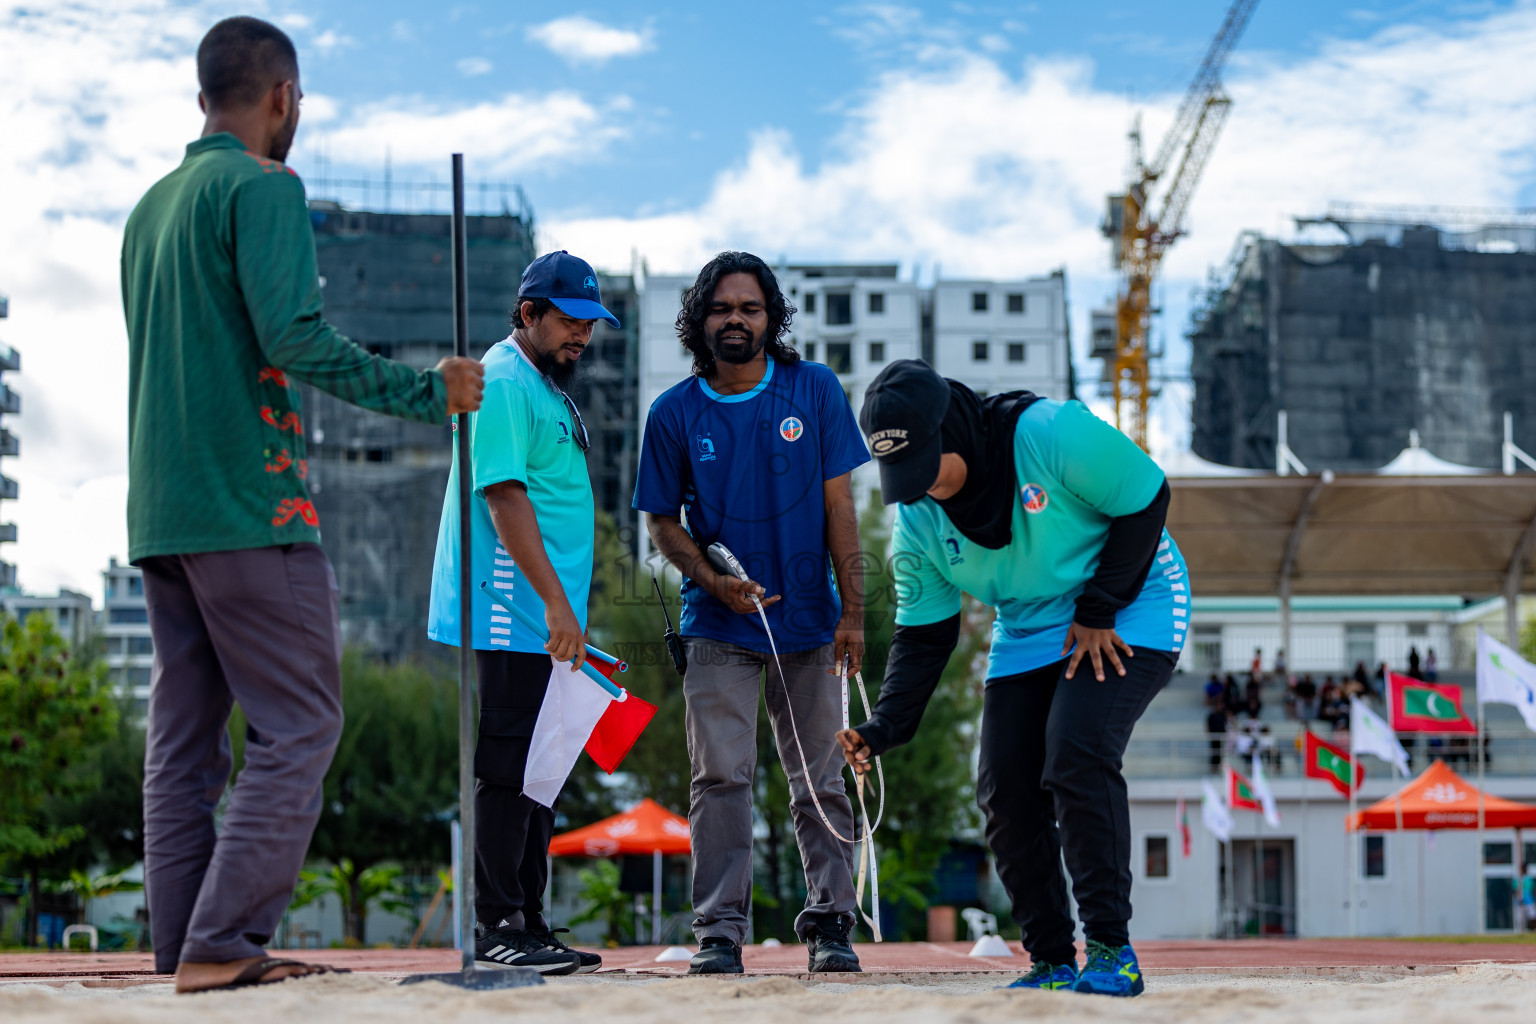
(903, 410)
(567, 281)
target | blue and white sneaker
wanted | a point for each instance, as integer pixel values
(1054, 977)
(1110, 971)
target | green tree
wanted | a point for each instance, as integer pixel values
(110, 808)
(394, 783)
(930, 784)
(605, 902)
(55, 709)
(357, 891)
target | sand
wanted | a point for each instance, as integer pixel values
(1482, 994)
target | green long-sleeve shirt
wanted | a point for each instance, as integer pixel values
(222, 299)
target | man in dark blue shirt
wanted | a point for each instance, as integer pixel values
(755, 449)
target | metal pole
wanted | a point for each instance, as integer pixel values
(1482, 896)
(468, 704)
(1353, 844)
(656, 897)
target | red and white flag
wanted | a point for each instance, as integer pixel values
(579, 714)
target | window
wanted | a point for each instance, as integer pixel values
(1498, 853)
(839, 308)
(979, 352)
(1207, 648)
(136, 586)
(1359, 646)
(810, 351)
(1015, 302)
(1156, 862)
(1015, 351)
(877, 302)
(137, 677)
(810, 302)
(978, 302)
(123, 615)
(877, 352)
(1418, 630)
(1373, 861)
(839, 356)
(141, 645)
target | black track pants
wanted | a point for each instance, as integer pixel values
(1050, 756)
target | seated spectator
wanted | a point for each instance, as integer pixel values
(1231, 697)
(1253, 695)
(1290, 701)
(1306, 698)
(1360, 676)
(1268, 749)
(1213, 692)
(1216, 726)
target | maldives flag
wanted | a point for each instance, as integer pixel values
(1415, 706)
(1240, 794)
(1183, 816)
(1323, 760)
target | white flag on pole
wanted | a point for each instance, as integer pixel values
(1265, 794)
(1214, 814)
(1370, 734)
(1503, 677)
(572, 705)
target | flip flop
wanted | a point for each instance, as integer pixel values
(252, 974)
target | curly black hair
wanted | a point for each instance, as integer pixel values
(696, 300)
(540, 308)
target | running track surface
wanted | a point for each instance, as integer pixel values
(1246, 957)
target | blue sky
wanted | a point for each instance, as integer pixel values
(962, 139)
(709, 76)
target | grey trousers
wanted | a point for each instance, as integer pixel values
(258, 627)
(720, 694)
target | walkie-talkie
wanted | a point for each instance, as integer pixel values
(674, 642)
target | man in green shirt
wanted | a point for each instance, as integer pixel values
(223, 307)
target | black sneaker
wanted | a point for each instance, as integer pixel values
(716, 956)
(507, 947)
(589, 961)
(830, 950)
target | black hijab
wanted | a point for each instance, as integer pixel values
(980, 431)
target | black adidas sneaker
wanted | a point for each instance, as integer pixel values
(589, 962)
(507, 947)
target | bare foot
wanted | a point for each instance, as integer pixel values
(194, 977)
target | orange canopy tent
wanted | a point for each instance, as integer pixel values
(646, 827)
(1442, 799)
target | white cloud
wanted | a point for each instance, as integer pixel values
(963, 161)
(581, 40)
(469, 67)
(294, 22)
(503, 137)
(330, 41)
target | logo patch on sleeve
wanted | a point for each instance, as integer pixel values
(1034, 497)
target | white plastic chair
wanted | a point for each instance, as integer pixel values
(979, 922)
(88, 930)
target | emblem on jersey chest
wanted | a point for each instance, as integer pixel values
(1034, 498)
(790, 428)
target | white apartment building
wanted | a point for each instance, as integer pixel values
(993, 336)
(126, 643)
(71, 613)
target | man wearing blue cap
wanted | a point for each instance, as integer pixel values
(531, 536)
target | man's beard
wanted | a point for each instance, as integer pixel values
(734, 351)
(283, 141)
(558, 373)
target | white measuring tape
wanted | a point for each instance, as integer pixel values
(867, 861)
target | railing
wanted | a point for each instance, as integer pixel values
(1178, 752)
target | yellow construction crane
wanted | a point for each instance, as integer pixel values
(1141, 236)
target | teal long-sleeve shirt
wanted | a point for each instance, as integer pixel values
(222, 299)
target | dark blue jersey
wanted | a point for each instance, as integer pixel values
(748, 471)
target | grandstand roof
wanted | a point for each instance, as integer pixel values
(1368, 533)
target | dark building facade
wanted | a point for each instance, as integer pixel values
(378, 482)
(1360, 343)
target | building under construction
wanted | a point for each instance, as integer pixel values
(1415, 320)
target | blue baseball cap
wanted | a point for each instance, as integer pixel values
(570, 283)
